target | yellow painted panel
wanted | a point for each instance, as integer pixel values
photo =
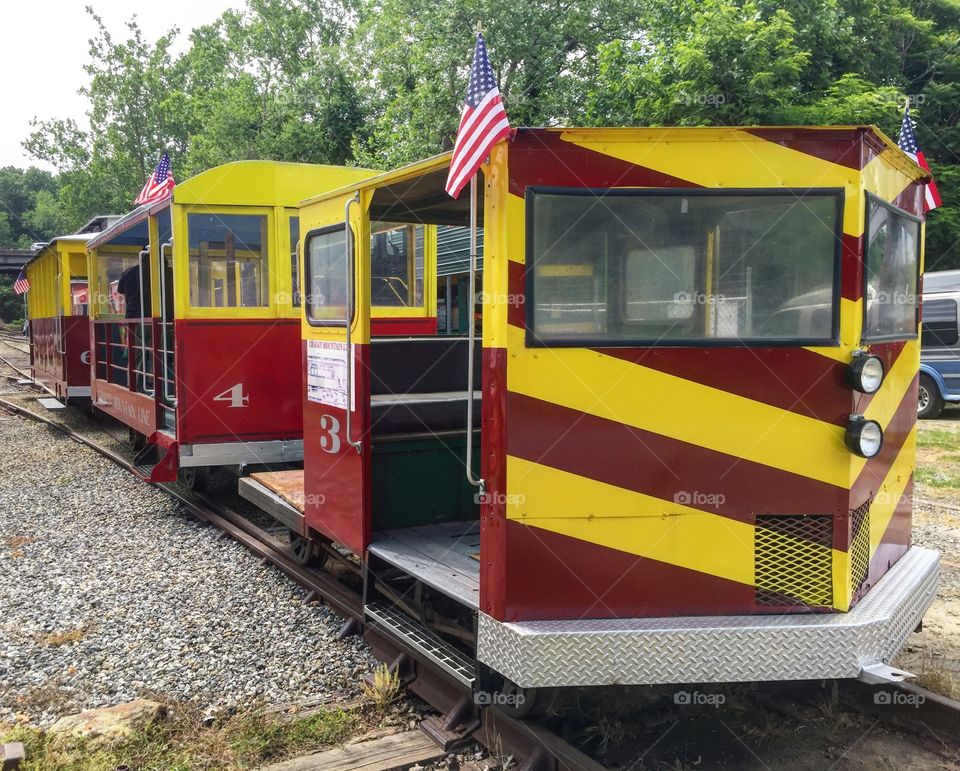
(882, 178)
(736, 159)
(264, 183)
(502, 241)
(895, 384)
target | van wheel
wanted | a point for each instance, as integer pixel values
(929, 400)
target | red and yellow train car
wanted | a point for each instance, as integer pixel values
(695, 400)
(205, 367)
(57, 309)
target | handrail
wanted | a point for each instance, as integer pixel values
(59, 345)
(347, 233)
(172, 398)
(143, 324)
(477, 482)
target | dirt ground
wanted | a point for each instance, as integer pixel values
(934, 653)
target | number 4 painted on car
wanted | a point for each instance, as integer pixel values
(234, 395)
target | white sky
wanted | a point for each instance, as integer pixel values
(44, 46)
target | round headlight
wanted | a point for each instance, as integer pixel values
(866, 373)
(864, 437)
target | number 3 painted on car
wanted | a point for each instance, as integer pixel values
(330, 436)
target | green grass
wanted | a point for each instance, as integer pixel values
(938, 439)
(179, 742)
(935, 477)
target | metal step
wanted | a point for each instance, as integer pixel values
(144, 470)
(420, 640)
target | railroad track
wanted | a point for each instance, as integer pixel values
(531, 744)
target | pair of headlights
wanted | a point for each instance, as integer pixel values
(864, 437)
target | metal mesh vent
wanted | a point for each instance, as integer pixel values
(793, 561)
(859, 546)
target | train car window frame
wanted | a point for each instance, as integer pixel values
(307, 298)
(294, 250)
(232, 284)
(871, 198)
(532, 340)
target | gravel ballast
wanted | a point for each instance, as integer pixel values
(109, 591)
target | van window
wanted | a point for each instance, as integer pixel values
(891, 265)
(657, 267)
(939, 322)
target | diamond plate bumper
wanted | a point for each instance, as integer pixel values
(716, 648)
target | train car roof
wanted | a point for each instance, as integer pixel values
(88, 232)
(239, 183)
(435, 166)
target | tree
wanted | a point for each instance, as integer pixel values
(29, 209)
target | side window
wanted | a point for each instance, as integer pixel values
(228, 260)
(396, 265)
(891, 262)
(939, 323)
(325, 263)
(110, 267)
(294, 262)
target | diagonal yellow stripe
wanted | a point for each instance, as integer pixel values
(631, 522)
(890, 492)
(601, 385)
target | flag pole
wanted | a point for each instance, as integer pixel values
(472, 332)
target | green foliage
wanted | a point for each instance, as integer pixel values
(28, 207)
(11, 304)
(380, 83)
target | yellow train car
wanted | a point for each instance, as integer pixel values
(57, 304)
(696, 398)
(195, 335)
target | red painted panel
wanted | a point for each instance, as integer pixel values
(792, 379)
(894, 543)
(493, 533)
(336, 477)
(46, 362)
(238, 380)
(851, 267)
(895, 433)
(410, 327)
(138, 411)
(660, 466)
(544, 158)
(841, 146)
(76, 337)
(553, 576)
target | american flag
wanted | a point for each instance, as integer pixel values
(483, 122)
(159, 186)
(908, 143)
(21, 285)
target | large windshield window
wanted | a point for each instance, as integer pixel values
(326, 266)
(890, 267)
(228, 260)
(651, 267)
(396, 265)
